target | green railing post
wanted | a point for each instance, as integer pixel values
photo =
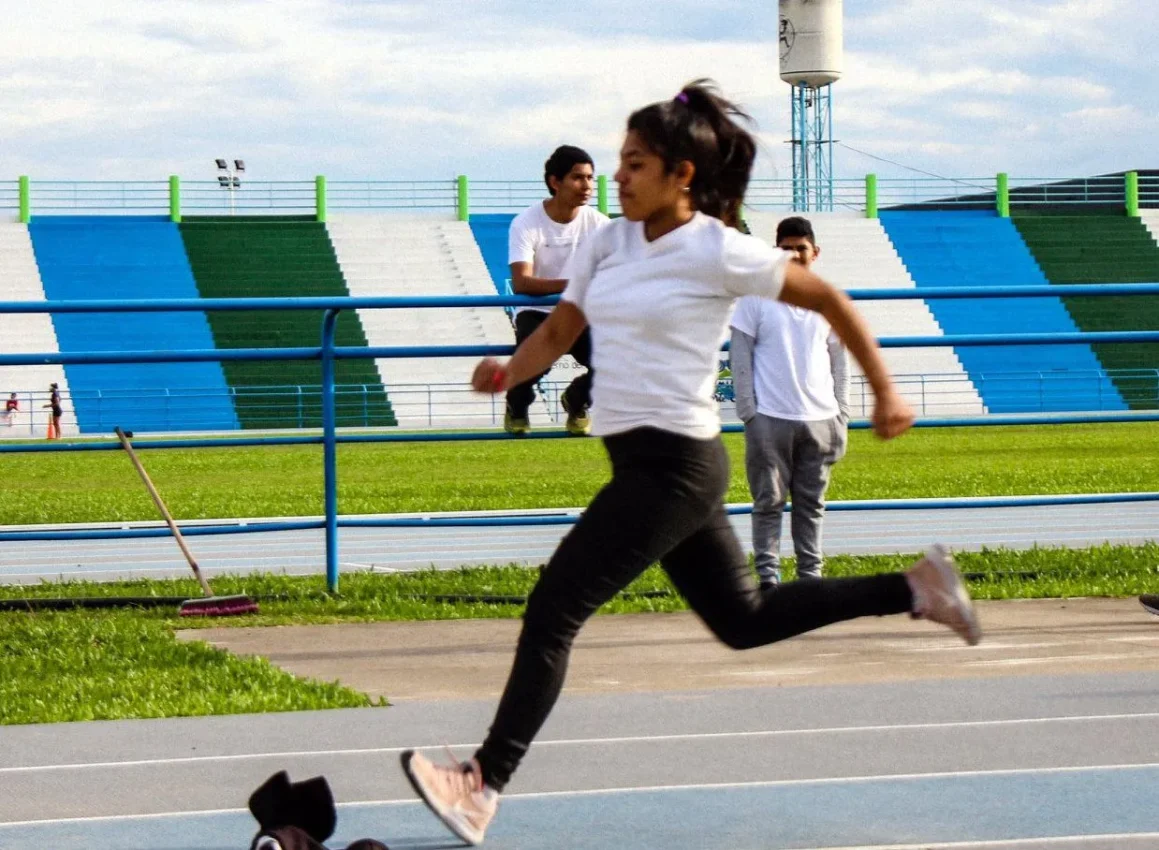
(1003, 195)
(174, 198)
(320, 197)
(1132, 189)
(871, 196)
(464, 209)
(25, 203)
(602, 193)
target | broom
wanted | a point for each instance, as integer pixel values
(210, 605)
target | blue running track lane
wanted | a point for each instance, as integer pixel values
(1050, 763)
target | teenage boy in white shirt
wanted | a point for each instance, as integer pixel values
(541, 242)
(791, 379)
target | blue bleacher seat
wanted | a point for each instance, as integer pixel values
(978, 248)
(131, 258)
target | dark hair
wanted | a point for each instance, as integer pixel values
(562, 160)
(698, 126)
(795, 227)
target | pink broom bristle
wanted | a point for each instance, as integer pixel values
(218, 606)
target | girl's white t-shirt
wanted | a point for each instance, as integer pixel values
(658, 312)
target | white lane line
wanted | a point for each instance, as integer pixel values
(1101, 840)
(15, 824)
(773, 672)
(1135, 639)
(897, 646)
(571, 742)
(825, 780)
(651, 789)
(1048, 659)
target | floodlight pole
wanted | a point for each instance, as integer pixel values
(232, 180)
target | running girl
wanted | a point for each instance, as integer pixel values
(655, 287)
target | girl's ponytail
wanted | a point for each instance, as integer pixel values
(700, 126)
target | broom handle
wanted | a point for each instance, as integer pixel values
(164, 511)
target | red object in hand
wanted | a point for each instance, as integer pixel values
(498, 378)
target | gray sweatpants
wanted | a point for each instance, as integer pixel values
(790, 459)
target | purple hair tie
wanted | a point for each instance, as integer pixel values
(682, 97)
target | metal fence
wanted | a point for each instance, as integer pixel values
(250, 197)
(313, 198)
(133, 197)
(1088, 191)
(328, 353)
(443, 405)
(354, 195)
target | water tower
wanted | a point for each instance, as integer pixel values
(811, 61)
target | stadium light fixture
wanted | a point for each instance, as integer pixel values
(229, 180)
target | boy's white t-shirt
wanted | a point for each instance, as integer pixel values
(792, 369)
(538, 239)
(658, 312)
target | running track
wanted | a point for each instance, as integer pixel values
(1008, 763)
(392, 549)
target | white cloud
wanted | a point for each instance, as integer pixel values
(403, 90)
(1104, 116)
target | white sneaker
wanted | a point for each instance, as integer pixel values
(455, 793)
(940, 596)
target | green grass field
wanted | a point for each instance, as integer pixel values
(387, 478)
(67, 666)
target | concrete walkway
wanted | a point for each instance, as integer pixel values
(661, 652)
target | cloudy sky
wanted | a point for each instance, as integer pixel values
(375, 89)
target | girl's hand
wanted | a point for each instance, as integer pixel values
(892, 416)
(490, 376)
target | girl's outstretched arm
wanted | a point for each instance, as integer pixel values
(551, 340)
(892, 415)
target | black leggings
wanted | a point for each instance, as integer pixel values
(578, 394)
(665, 503)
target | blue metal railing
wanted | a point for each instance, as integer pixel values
(327, 352)
(168, 305)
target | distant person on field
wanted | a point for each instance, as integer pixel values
(541, 242)
(791, 380)
(57, 412)
(11, 408)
